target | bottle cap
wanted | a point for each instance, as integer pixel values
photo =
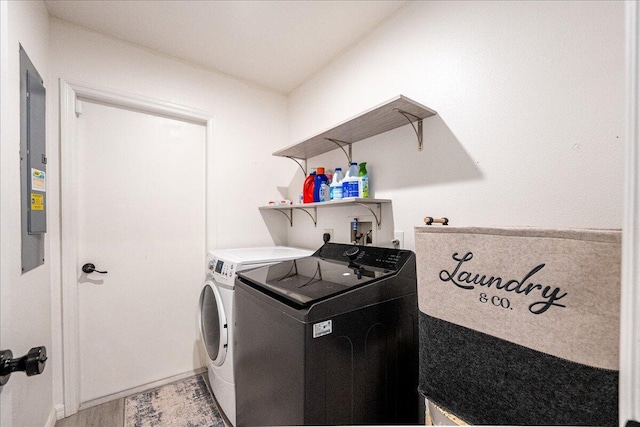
(320, 171)
(354, 163)
(338, 169)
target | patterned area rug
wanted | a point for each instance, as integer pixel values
(185, 403)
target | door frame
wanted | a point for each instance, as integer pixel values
(629, 391)
(70, 93)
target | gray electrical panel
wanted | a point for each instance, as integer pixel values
(33, 161)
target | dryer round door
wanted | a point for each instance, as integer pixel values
(213, 323)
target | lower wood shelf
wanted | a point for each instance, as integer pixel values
(308, 208)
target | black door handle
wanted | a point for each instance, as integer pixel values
(31, 363)
(90, 268)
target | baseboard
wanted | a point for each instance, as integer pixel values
(59, 412)
(51, 419)
(141, 388)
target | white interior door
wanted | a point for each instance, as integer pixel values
(141, 217)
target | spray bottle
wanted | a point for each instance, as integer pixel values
(363, 181)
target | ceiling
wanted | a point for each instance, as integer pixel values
(278, 44)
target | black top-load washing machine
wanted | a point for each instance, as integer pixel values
(329, 339)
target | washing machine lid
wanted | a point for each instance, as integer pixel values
(329, 272)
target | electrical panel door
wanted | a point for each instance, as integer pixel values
(33, 160)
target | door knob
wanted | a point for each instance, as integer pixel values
(31, 363)
(90, 268)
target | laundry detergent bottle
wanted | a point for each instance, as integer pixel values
(350, 182)
(363, 181)
(307, 188)
(320, 186)
(335, 189)
(325, 189)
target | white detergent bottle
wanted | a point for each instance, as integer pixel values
(350, 182)
(335, 189)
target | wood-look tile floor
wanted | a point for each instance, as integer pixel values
(110, 414)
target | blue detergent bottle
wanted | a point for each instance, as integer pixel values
(319, 180)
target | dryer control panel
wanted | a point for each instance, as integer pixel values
(220, 270)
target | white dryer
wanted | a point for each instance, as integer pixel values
(216, 313)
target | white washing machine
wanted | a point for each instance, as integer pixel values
(216, 313)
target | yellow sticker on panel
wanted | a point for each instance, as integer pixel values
(38, 180)
(37, 202)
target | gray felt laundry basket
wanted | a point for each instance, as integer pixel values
(520, 326)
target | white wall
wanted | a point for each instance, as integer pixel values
(250, 123)
(530, 125)
(25, 299)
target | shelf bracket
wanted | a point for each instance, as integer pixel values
(418, 131)
(378, 216)
(313, 217)
(304, 168)
(289, 217)
(341, 144)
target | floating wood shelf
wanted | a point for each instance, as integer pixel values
(287, 210)
(392, 114)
